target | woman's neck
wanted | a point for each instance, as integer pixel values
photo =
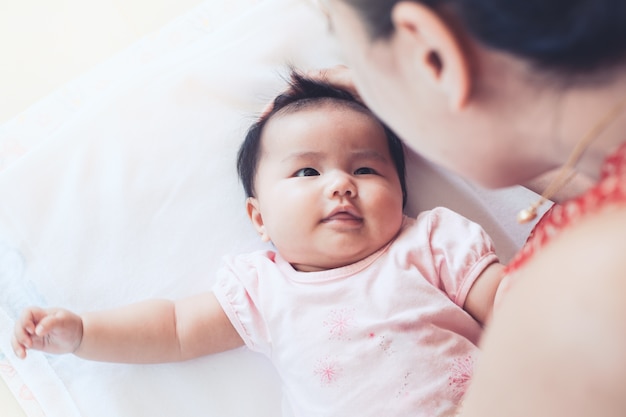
(597, 113)
(546, 121)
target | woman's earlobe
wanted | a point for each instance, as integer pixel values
(436, 52)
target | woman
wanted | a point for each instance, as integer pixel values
(504, 91)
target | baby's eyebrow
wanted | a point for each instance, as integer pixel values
(308, 155)
(370, 154)
(364, 154)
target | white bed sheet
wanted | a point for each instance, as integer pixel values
(122, 186)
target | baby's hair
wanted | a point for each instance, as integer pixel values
(303, 93)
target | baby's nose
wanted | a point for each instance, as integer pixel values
(342, 185)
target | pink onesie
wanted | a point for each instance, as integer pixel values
(386, 336)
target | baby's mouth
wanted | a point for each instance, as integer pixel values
(343, 216)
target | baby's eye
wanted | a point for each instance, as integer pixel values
(306, 172)
(364, 171)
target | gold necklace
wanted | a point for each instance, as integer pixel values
(566, 173)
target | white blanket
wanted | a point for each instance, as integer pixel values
(122, 186)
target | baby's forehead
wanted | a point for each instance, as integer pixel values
(328, 117)
(322, 103)
(328, 129)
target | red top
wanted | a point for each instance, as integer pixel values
(610, 189)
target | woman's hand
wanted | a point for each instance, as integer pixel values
(49, 330)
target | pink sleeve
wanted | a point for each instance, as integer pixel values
(237, 291)
(461, 250)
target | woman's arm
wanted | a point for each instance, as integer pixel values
(556, 345)
(152, 331)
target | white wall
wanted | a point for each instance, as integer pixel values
(46, 43)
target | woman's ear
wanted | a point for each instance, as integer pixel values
(254, 213)
(430, 48)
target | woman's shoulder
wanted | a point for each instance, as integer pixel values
(593, 248)
(599, 236)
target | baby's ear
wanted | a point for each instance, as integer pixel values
(254, 213)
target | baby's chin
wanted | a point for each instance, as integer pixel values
(328, 263)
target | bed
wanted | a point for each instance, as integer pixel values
(122, 186)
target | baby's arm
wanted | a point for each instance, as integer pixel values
(480, 298)
(148, 332)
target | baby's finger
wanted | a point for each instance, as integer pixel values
(18, 348)
(21, 341)
(57, 319)
(23, 337)
(29, 318)
(24, 330)
(49, 323)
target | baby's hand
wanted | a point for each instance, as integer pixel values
(50, 330)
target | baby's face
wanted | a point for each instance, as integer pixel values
(328, 193)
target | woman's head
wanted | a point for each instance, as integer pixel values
(325, 179)
(483, 87)
(566, 37)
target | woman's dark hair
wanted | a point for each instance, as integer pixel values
(568, 37)
(302, 93)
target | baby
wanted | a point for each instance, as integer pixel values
(362, 310)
